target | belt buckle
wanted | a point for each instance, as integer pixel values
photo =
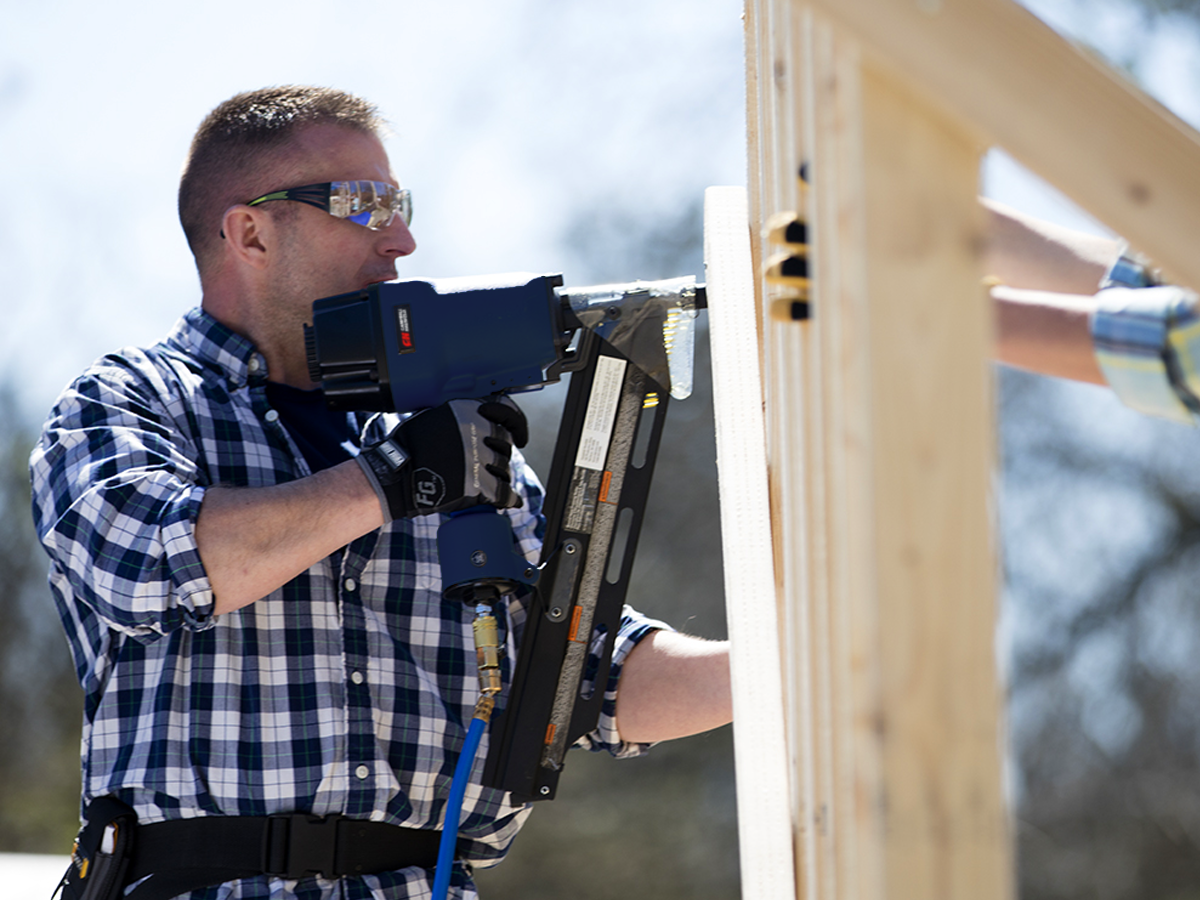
(300, 844)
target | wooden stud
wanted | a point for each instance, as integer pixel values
(762, 764)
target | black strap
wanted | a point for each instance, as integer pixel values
(187, 854)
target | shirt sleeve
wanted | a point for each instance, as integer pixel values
(634, 628)
(116, 493)
(1147, 344)
(528, 519)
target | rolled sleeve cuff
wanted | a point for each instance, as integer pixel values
(190, 582)
(634, 628)
(1144, 341)
(158, 583)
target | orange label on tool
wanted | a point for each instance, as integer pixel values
(605, 481)
(575, 623)
(550, 734)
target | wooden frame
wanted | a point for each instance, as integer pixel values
(878, 425)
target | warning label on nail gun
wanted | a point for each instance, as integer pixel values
(581, 507)
(601, 413)
(594, 443)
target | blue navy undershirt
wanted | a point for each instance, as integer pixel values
(323, 435)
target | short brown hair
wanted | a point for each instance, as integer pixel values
(240, 140)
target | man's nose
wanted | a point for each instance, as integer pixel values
(396, 239)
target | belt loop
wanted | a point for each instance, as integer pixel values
(275, 845)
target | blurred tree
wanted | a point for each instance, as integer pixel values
(1161, 7)
(40, 700)
(1151, 9)
(1101, 530)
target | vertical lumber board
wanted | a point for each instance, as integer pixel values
(804, 509)
(762, 764)
(837, 384)
(773, 66)
(771, 124)
(931, 701)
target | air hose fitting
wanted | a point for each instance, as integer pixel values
(487, 653)
(487, 656)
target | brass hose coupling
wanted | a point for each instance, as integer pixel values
(487, 650)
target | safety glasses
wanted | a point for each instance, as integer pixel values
(373, 204)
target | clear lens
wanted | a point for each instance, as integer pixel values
(403, 205)
(373, 204)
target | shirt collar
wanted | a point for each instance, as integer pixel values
(205, 339)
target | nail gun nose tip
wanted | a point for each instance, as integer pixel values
(701, 296)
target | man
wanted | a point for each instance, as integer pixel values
(251, 598)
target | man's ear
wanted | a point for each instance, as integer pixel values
(246, 233)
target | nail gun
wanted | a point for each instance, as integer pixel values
(408, 345)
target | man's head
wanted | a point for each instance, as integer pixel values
(263, 263)
(247, 141)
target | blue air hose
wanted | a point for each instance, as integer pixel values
(458, 789)
(487, 653)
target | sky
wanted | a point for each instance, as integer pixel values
(514, 121)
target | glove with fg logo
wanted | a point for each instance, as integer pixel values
(451, 457)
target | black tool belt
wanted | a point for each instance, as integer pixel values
(187, 854)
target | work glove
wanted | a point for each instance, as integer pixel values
(451, 457)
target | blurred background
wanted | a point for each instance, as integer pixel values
(578, 138)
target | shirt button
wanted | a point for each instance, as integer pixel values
(272, 415)
(254, 365)
(362, 772)
(350, 584)
(357, 677)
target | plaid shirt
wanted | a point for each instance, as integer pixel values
(1147, 344)
(348, 690)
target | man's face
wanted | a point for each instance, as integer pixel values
(320, 255)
